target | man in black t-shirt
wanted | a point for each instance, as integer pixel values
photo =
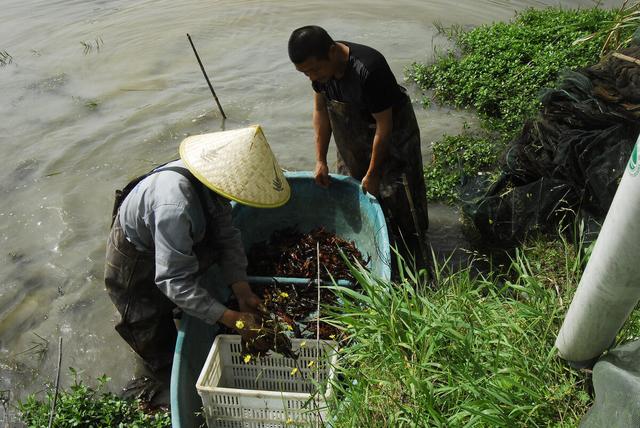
(358, 100)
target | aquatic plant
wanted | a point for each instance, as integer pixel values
(38, 349)
(498, 70)
(82, 405)
(454, 159)
(89, 46)
(5, 58)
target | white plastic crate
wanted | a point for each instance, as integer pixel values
(263, 392)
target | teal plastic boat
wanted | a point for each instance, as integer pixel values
(343, 208)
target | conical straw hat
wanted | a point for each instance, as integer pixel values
(238, 165)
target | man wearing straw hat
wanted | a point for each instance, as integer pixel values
(358, 100)
(172, 224)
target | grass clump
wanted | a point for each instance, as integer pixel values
(619, 31)
(5, 58)
(84, 406)
(474, 352)
(499, 69)
(89, 46)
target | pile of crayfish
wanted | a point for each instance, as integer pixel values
(290, 253)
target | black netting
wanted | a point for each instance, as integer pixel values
(568, 160)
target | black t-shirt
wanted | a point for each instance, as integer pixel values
(368, 82)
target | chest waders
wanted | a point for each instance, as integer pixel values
(146, 314)
(353, 133)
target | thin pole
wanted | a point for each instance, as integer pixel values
(318, 332)
(55, 396)
(414, 214)
(224, 116)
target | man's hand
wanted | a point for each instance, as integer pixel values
(322, 174)
(247, 300)
(244, 323)
(255, 339)
(371, 184)
(249, 327)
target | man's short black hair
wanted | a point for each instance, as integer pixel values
(309, 41)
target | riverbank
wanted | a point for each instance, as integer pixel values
(519, 290)
(479, 350)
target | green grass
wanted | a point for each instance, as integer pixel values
(477, 351)
(498, 70)
(85, 406)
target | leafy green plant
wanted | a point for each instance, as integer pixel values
(499, 68)
(84, 406)
(457, 157)
(477, 351)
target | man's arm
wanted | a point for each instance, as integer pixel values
(177, 265)
(379, 151)
(322, 128)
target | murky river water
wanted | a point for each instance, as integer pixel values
(99, 91)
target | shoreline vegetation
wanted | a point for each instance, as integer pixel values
(478, 350)
(473, 349)
(83, 405)
(498, 71)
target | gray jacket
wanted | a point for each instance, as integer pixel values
(163, 215)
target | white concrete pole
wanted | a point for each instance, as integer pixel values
(610, 286)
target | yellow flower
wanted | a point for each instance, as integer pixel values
(289, 327)
(294, 371)
(247, 358)
(239, 324)
(303, 343)
(332, 336)
(289, 421)
(311, 363)
(284, 295)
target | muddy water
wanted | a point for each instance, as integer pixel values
(99, 91)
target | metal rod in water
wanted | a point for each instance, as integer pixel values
(224, 116)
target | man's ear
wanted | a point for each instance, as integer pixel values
(333, 52)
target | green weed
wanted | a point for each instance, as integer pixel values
(85, 406)
(477, 351)
(618, 31)
(456, 157)
(498, 70)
